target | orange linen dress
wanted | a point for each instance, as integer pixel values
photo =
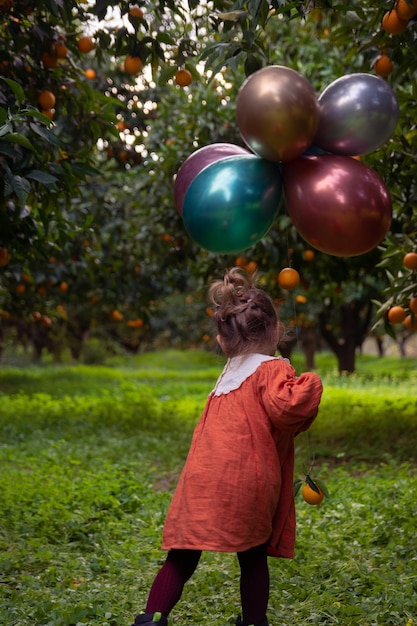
(236, 489)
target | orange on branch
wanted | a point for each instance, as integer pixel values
(46, 99)
(49, 60)
(183, 77)
(396, 314)
(136, 11)
(116, 316)
(308, 255)
(383, 65)
(46, 321)
(410, 260)
(406, 11)
(133, 64)
(393, 24)
(4, 257)
(300, 299)
(311, 496)
(413, 305)
(90, 73)
(48, 113)
(410, 322)
(288, 278)
(60, 49)
(85, 44)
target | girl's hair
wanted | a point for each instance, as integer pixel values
(244, 314)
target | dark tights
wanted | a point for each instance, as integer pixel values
(180, 565)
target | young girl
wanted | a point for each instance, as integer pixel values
(235, 493)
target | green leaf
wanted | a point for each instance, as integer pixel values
(322, 486)
(20, 186)
(5, 129)
(163, 37)
(20, 139)
(42, 177)
(45, 133)
(167, 72)
(16, 88)
(312, 483)
(297, 485)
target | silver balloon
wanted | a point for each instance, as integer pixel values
(358, 114)
(277, 113)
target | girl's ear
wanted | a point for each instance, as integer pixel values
(220, 341)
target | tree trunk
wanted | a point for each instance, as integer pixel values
(352, 333)
(309, 346)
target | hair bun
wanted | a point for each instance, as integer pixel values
(235, 285)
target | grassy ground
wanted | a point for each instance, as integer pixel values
(89, 457)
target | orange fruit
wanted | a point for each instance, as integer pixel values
(288, 278)
(46, 321)
(133, 64)
(410, 260)
(116, 316)
(300, 299)
(48, 113)
(59, 49)
(393, 24)
(4, 257)
(85, 44)
(308, 255)
(396, 314)
(183, 77)
(383, 65)
(137, 323)
(310, 495)
(251, 267)
(410, 322)
(413, 305)
(136, 11)
(405, 11)
(46, 99)
(90, 74)
(20, 289)
(63, 286)
(49, 60)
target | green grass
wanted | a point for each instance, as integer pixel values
(89, 457)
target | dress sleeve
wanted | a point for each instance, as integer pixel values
(290, 401)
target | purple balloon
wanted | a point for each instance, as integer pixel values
(337, 204)
(358, 114)
(196, 162)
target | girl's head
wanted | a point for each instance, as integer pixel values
(245, 315)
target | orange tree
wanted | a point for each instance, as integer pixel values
(340, 292)
(46, 166)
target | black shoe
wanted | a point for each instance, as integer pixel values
(240, 623)
(150, 619)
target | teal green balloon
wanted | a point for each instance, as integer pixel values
(232, 203)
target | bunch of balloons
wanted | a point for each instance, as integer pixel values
(300, 146)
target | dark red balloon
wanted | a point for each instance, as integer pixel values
(337, 204)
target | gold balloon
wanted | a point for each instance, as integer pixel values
(277, 113)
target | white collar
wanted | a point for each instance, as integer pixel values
(237, 370)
